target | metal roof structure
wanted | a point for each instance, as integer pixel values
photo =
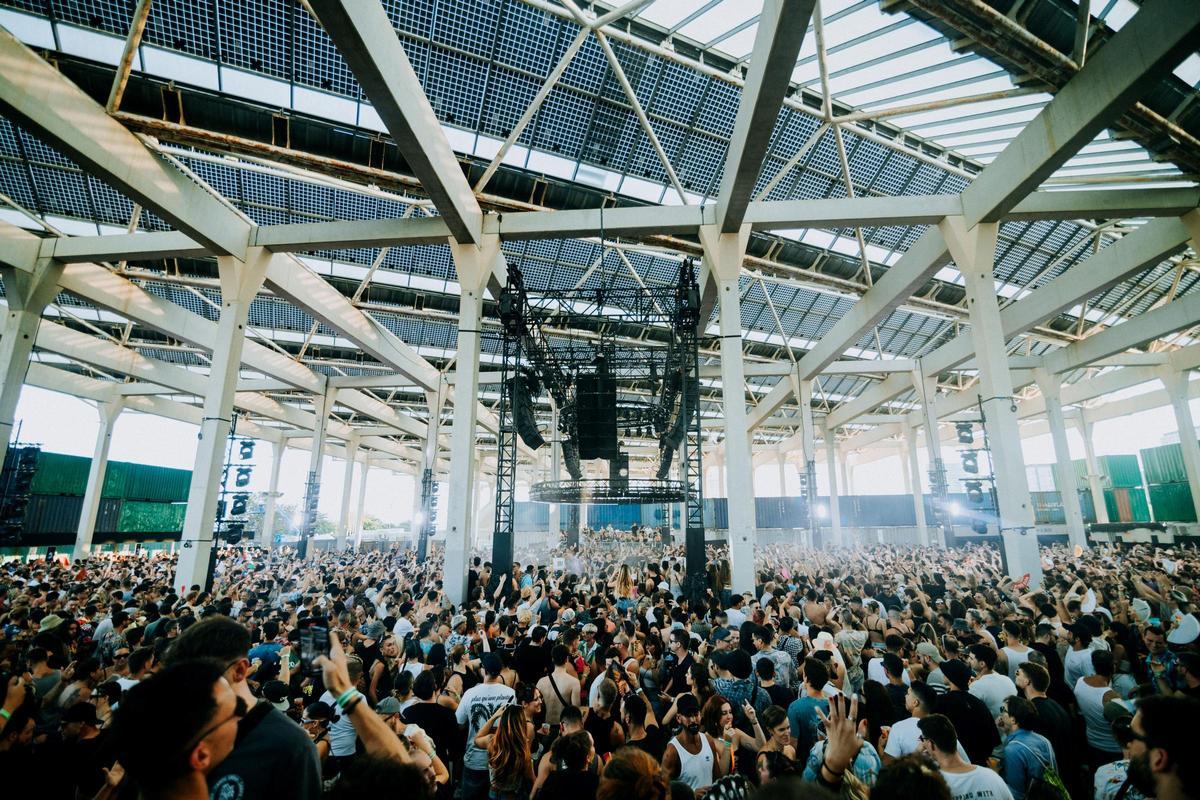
(628, 117)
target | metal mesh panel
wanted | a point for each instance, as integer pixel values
(183, 25)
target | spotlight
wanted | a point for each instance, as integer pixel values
(241, 478)
(954, 508)
(246, 450)
(822, 512)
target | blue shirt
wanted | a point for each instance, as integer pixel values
(1026, 757)
(802, 715)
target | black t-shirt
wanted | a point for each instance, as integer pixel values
(571, 783)
(531, 661)
(679, 672)
(1054, 723)
(780, 696)
(897, 693)
(441, 726)
(972, 722)
(654, 743)
(273, 757)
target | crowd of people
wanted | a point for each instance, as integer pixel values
(881, 672)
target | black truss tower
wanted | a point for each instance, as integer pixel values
(556, 360)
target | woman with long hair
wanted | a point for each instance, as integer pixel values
(510, 764)
(716, 719)
(624, 589)
(383, 671)
(631, 774)
(778, 731)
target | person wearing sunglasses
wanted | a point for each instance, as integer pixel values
(1162, 732)
(171, 755)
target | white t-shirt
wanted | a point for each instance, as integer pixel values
(992, 689)
(403, 628)
(475, 709)
(876, 672)
(978, 784)
(736, 617)
(1077, 664)
(905, 738)
(341, 732)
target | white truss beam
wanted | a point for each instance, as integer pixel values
(364, 36)
(35, 94)
(777, 42)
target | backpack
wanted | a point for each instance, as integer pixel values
(1047, 786)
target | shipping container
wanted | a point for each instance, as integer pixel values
(1087, 506)
(162, 484)
(1048, 508)
(1116, 472)
(60, 474)
(50, 513)
(1127, 504)
(1164, 464)
(145, 517)
(1172, 502)
(116, 475)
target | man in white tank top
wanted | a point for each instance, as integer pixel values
(693, 757)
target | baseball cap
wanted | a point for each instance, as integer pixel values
(82, 711)
(1141, 609)
(928, 649)
(688, 705)
(568, 616)
(375, 630)
(720, 634)
(388, 706)
(277, 693)
(458, 619)
(1186, 631)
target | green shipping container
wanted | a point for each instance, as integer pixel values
(1164, 464)
(60, 474)
(1127, 504)
(161, 484)
(1115, 471)
(144, 517)
(115, 476)
(1172, 502)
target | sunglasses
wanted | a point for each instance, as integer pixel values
(239, 710)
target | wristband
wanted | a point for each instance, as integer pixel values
(830, 770)
(5, 713)
(353, 704)
(345, 697)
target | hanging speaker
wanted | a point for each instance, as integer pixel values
(241, 478)
(522, 411)
(246, 450)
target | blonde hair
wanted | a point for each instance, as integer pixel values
(632, 774)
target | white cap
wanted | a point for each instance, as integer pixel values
(1186, 631)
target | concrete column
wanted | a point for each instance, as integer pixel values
(1064, 471)
(808, 447)
(343, 526)
(555, 474)
(95, 482)
(723, 253)
(912, 483)
(927, 388)
(847, 474)
(27, 293)
(781, 460)
(240, 282)
(974, 252)
(266, 536)
(831, 464)
(474, 265)
(425, 518)
(322, 405)
(364, 474)
(1176, 383)
(1095, 487)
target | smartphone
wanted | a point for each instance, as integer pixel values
(314, 642)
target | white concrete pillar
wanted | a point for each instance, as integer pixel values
(95, 481)
(974, 252)
(322, 405)
(808, 447)
(474, 265)
(1095, 486)
(927, 388)
(343, 525)
(266, 536)
(781, 460)
(425, 518)
(723, 253)
(364, 474)
(1064, 470)
(847, 484)
(1176, 383)
(240, 282)
(912, 482)
(26, 293)
(831, 465)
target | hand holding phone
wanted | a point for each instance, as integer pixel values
(314, 642)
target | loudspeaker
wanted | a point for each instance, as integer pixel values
(596, 399)
(618, 472)
(522, 411)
